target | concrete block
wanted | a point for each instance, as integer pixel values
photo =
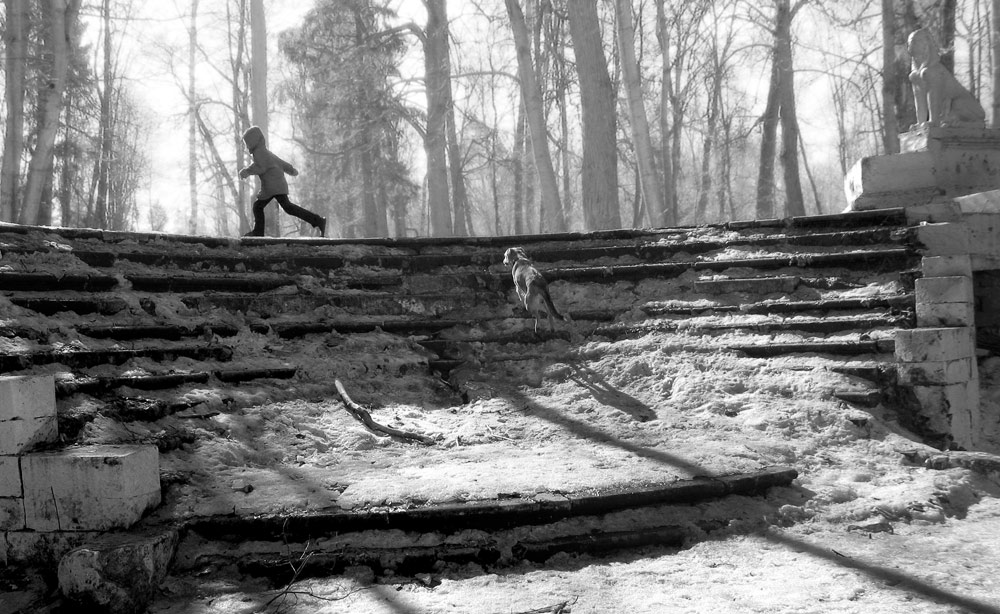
(946, 314)
(936, 373)
(946, 266)
(11, 514)
(10, 477)
(92, 488)
(41, 549)
(980, 202)
(934, 344)
(943, 239)
(890, 173)
(944, 290)
(938, 403)
(27, 413)
(938, 212)
(117, 574)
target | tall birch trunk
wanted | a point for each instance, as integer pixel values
(638, 121)
(553, 216)
(599, 181)
(995, 13)
(258, 94)
(192, 120)
(795, 201)
(15, 62)
(435, 41)
(668, 215)
(890, 123)
(61, 20)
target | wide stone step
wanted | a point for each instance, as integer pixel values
(85, 305)
(84, 358)
(894, 302)
(95, 385)
(48, 282)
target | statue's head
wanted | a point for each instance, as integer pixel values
(922, 46)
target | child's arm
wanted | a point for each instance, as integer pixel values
(253, 169)
(285, 166)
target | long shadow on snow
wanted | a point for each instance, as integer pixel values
(893, 577)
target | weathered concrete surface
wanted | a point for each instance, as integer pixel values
(10, 476)
(119, 573)
(934, 164)
(11, 514)
(90, 488)
(27, 412)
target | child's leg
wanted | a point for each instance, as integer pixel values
(292, 209)
(258, 218)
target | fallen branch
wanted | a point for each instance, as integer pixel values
(362, 414)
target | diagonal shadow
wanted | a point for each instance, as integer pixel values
(588, 431)
(891, 577)
(894, 578)
(606, 394)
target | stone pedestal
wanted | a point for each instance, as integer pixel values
(91, 488)
(935, 164)
(27, 413)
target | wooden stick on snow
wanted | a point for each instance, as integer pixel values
(362, 414)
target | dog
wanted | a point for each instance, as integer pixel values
(531, 287)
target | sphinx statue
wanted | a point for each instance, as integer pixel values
(940, 99)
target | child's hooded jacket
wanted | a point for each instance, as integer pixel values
(270, 167)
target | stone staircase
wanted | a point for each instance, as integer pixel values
(110, 313)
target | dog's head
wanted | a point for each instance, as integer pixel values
(513, 254)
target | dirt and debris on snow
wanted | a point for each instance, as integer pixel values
(876, 521)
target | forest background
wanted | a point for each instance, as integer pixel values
(462, 117)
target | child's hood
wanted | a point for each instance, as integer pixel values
(253, 137)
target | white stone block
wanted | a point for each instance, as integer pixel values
(980, 202)
(943, 239)
(933, 212)
(944, 290)
(890, 173)
(10, 477)
(92, 488)
(936, 373)
(946, 314)
(935, 344)
(11, 514)
(27, 412)
(946, 266)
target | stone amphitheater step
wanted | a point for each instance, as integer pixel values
(78, 383)
(481, 532)
(83, 358)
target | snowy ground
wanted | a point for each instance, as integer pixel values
(570, 416)
(598, 414)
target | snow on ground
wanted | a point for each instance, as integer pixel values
(635, 412)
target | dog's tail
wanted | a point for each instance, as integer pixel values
(552, 309)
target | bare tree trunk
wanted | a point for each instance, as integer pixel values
(107, 136)
(890, 134)
(948, 9)
(555, 221)
(707, 149)
(646, 165)
(995, 6)
(789, 119)
(668, 215)
(518, 157)
(241, 119)
(258, 94)
(192, 120)
(460, 200)
(599, 181)
(768, 147)
(435, 41)
(61, 20)
(16, 43)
